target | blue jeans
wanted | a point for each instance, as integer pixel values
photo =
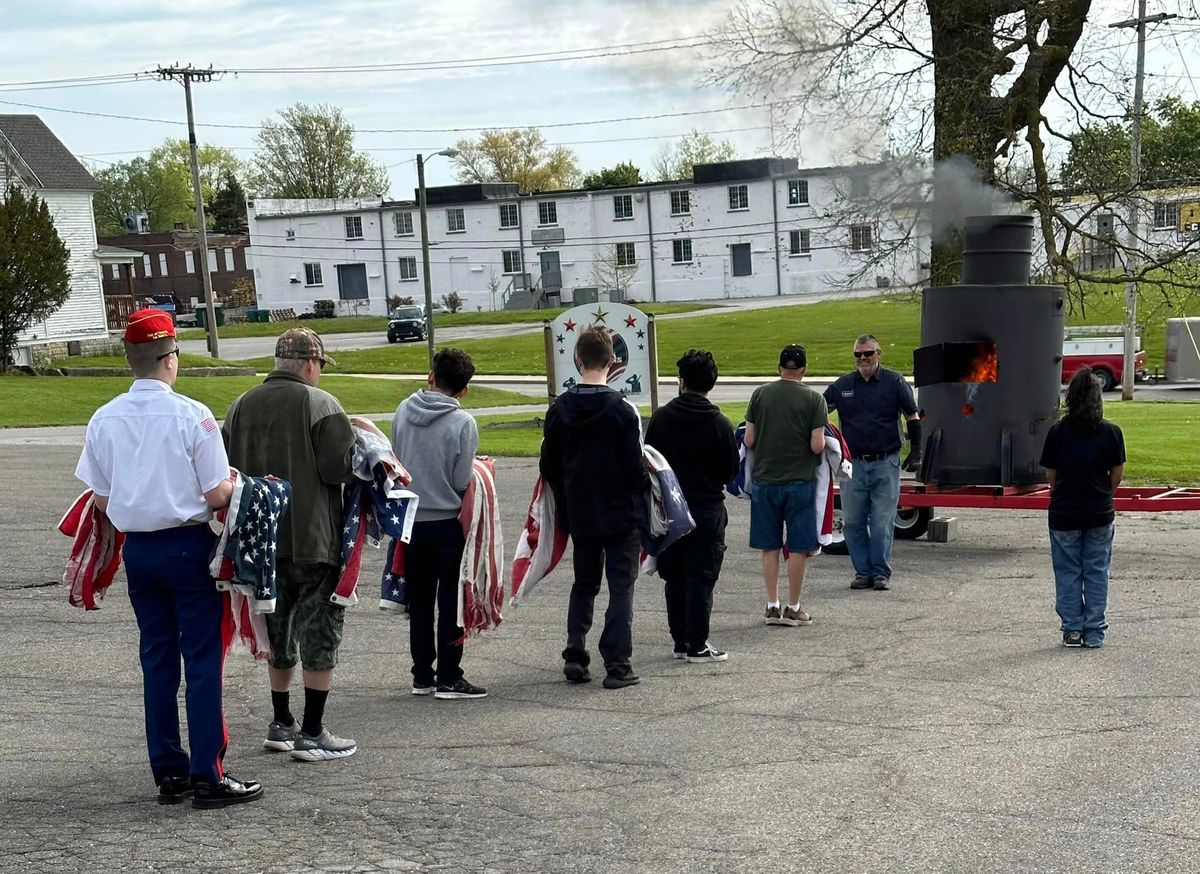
(1081, 561)
(869, 501)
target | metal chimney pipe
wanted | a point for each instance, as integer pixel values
(997, 249)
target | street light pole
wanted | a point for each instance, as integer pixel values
(449, 153)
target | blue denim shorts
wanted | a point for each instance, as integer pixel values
(776, 505)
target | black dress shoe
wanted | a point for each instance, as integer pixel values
(173, 790)
(228, 791)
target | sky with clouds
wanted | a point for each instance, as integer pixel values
(70, 38)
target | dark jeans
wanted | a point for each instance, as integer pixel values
(615, 557)
(431, 568)
(179, 614)
(690, 568)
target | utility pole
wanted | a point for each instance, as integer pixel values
(1135, 179)
(424, 210)
(186, 75)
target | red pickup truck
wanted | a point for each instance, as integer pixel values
(1103, 352)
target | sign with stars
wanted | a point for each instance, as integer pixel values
(631, 374)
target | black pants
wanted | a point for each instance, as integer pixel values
(615, 557)
(431, 568)
(690, 568)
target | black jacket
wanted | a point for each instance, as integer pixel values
(592, 458)
(698, 443)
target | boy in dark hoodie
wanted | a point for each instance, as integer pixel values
(592, 460)
(698, 442)
(436, 440)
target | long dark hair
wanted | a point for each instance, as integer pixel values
(1085, 402)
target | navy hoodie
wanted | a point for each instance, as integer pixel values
(697, 441)
(592, 458)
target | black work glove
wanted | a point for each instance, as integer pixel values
(912, 462)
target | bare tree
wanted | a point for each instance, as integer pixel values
(613, 268)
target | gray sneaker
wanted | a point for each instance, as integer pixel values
(772, 617)
(280, 738)
(322, 748)
(795, 617)
(861, 581)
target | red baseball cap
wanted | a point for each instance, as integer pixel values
(147, 325)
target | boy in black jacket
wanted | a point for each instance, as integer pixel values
(698, 443)
(592, 459)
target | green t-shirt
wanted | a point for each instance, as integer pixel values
(784, 414)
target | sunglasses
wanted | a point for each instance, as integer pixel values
(174, 351)
(867, 354)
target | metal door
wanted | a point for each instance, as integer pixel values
(352, 281)
(551, 271)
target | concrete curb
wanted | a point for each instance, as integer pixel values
(187, 371)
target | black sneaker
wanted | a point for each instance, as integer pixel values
(576, 673)
(709, 654)
(461, 689)
(228, 791)
(681, 651)
(1072, 639)
(861, 581)
(174, 790)
(619, 678)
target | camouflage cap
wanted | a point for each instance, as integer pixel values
(302, 343)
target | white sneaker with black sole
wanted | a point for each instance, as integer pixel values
(709, 654)
(325, 747)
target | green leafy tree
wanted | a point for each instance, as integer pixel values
(519, 156)
(1100, 154)
(675, 160)
(228, 210)
(141, 186)
(309, 153)
(623, 174)
(34, 277)
(215, 163)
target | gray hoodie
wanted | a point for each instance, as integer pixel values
(436, 439)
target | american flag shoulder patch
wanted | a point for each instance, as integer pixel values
(209, 425)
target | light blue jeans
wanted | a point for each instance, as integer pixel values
(869, 501)
(1081, 561)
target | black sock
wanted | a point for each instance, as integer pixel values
(283, 712)
(314, 710)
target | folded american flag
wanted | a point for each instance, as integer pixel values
(95, 553)
(833, 464)
(541, 544)
(481, 575)
(667, 513)
(373, 505)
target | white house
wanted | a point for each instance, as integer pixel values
(34, 158)
(752, 228)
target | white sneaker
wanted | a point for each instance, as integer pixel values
(322, 748)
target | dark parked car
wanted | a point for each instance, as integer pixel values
(405, 322)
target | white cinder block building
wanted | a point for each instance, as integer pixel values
(751, 228)
(35, 159)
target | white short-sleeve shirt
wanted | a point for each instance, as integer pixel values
(154, 454)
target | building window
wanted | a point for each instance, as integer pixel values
(681, 251)
(1166, 215)
(860, 238)
(626, 256)
(404, 224)
(681, 203)
(622, 206)
(508, 215)
(408, 268)
(547, 212)
(211, 263)
(227, 258)
(456, 221)
(797, 192)
(739, 197)
(512, 260)
(312, 274)
(290, 233)
(860, 186)
(354, 227)
(740, 261)
(162, 264)
(146, 266)
(114, 271)
(189, 261)
(798, 242)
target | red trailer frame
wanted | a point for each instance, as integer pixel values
(1149, 499)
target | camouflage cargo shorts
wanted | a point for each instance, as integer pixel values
(305, 627)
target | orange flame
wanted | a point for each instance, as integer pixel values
(968, 409)
(985, 367)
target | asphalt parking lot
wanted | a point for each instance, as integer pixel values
(935, 727)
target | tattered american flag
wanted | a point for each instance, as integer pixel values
(541, 545)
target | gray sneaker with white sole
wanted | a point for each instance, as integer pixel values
(280, 738)
(323, 748)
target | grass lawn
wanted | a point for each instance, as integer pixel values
(27, 401)
(185, 361)
(1162, 440)
(746, 342)
(367, 324)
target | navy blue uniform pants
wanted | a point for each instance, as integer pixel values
(179, 614)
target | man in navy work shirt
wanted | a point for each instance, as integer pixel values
(156, 465)
(869, 402)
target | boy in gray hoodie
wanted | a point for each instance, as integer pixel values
(436, 440)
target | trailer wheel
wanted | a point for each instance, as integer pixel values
(838, 545)
(912, 522)
(1107, 381)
